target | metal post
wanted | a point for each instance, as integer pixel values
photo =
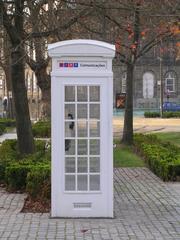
(161, 87)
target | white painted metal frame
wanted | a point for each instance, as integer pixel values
(88, 138)
(82, 203)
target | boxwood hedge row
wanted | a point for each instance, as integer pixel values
(165, 114)
(163, 158)
(30, 173)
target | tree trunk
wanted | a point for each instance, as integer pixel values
(128, 117)
(23, 123)
(45, 112)
(43, 81)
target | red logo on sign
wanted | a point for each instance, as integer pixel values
(70, 64)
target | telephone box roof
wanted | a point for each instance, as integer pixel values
(81, 47)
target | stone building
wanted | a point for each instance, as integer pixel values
(148, 72)
(33, 93)
(147, 77)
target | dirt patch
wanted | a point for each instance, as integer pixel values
(36, 206)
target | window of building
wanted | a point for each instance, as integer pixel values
(1, 83)
(123, 82)
(34, 82)
(148, 85)
(170, 79)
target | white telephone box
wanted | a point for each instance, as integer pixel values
(82, 141)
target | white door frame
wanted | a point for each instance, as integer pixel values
(101, 201)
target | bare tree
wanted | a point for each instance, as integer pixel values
(136, 26)
(13, 21)
(48, 23)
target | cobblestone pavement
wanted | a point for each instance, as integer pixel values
(145, 208)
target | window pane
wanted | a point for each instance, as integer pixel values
(94, 182)
(95, 111)
(69, 93)
(82, 147)
(82, 165)
(94, 164)
(70, 129)
(69, 111)
(82, 182)
(94, 128)
(94, 147)
(82, 94)
(70, 182)
(94, 92)
(169, 81)
(70, 165)
(69, 147)
(82, 128)
(82, 111)
(170, 88)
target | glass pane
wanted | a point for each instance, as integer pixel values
(170, 81)
(170, 88)
(95, 111)
(82, 182)
(82, 147)
(94, 147)
(82, 165)
(69, 111)
(70, 182)
(94, 128)
(70, 165)
(69, 93)
(82, 94)
(94, 164)
(69, 147)
(82, 111)
(70, 129)
(94, 92)
(94, 182)
(82, 127)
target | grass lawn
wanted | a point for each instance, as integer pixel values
(124, 157)
(173, 137)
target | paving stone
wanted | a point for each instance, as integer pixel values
(145, 209)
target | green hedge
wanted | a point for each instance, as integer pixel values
(39, 182)
(42, 129)
(4, 123)
(171, 114)
(7, 122)
(165, 114)
(35, 178)
(15, 176)
(2, 129)
(151, 114)
(163, 158)
(29, 173)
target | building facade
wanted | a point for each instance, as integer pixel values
(148, 74)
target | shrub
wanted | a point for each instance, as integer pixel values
(2, 129)
(9, 156)
(162, 157)
(39, 182)
(15, 176)
(4, 123)
(42, 129)
(171, 114)
(8, 150)
(165, 114)
(151, 114)
(34, 177)
(7, 122)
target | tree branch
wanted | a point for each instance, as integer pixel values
(55, 31)
(11, 30)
